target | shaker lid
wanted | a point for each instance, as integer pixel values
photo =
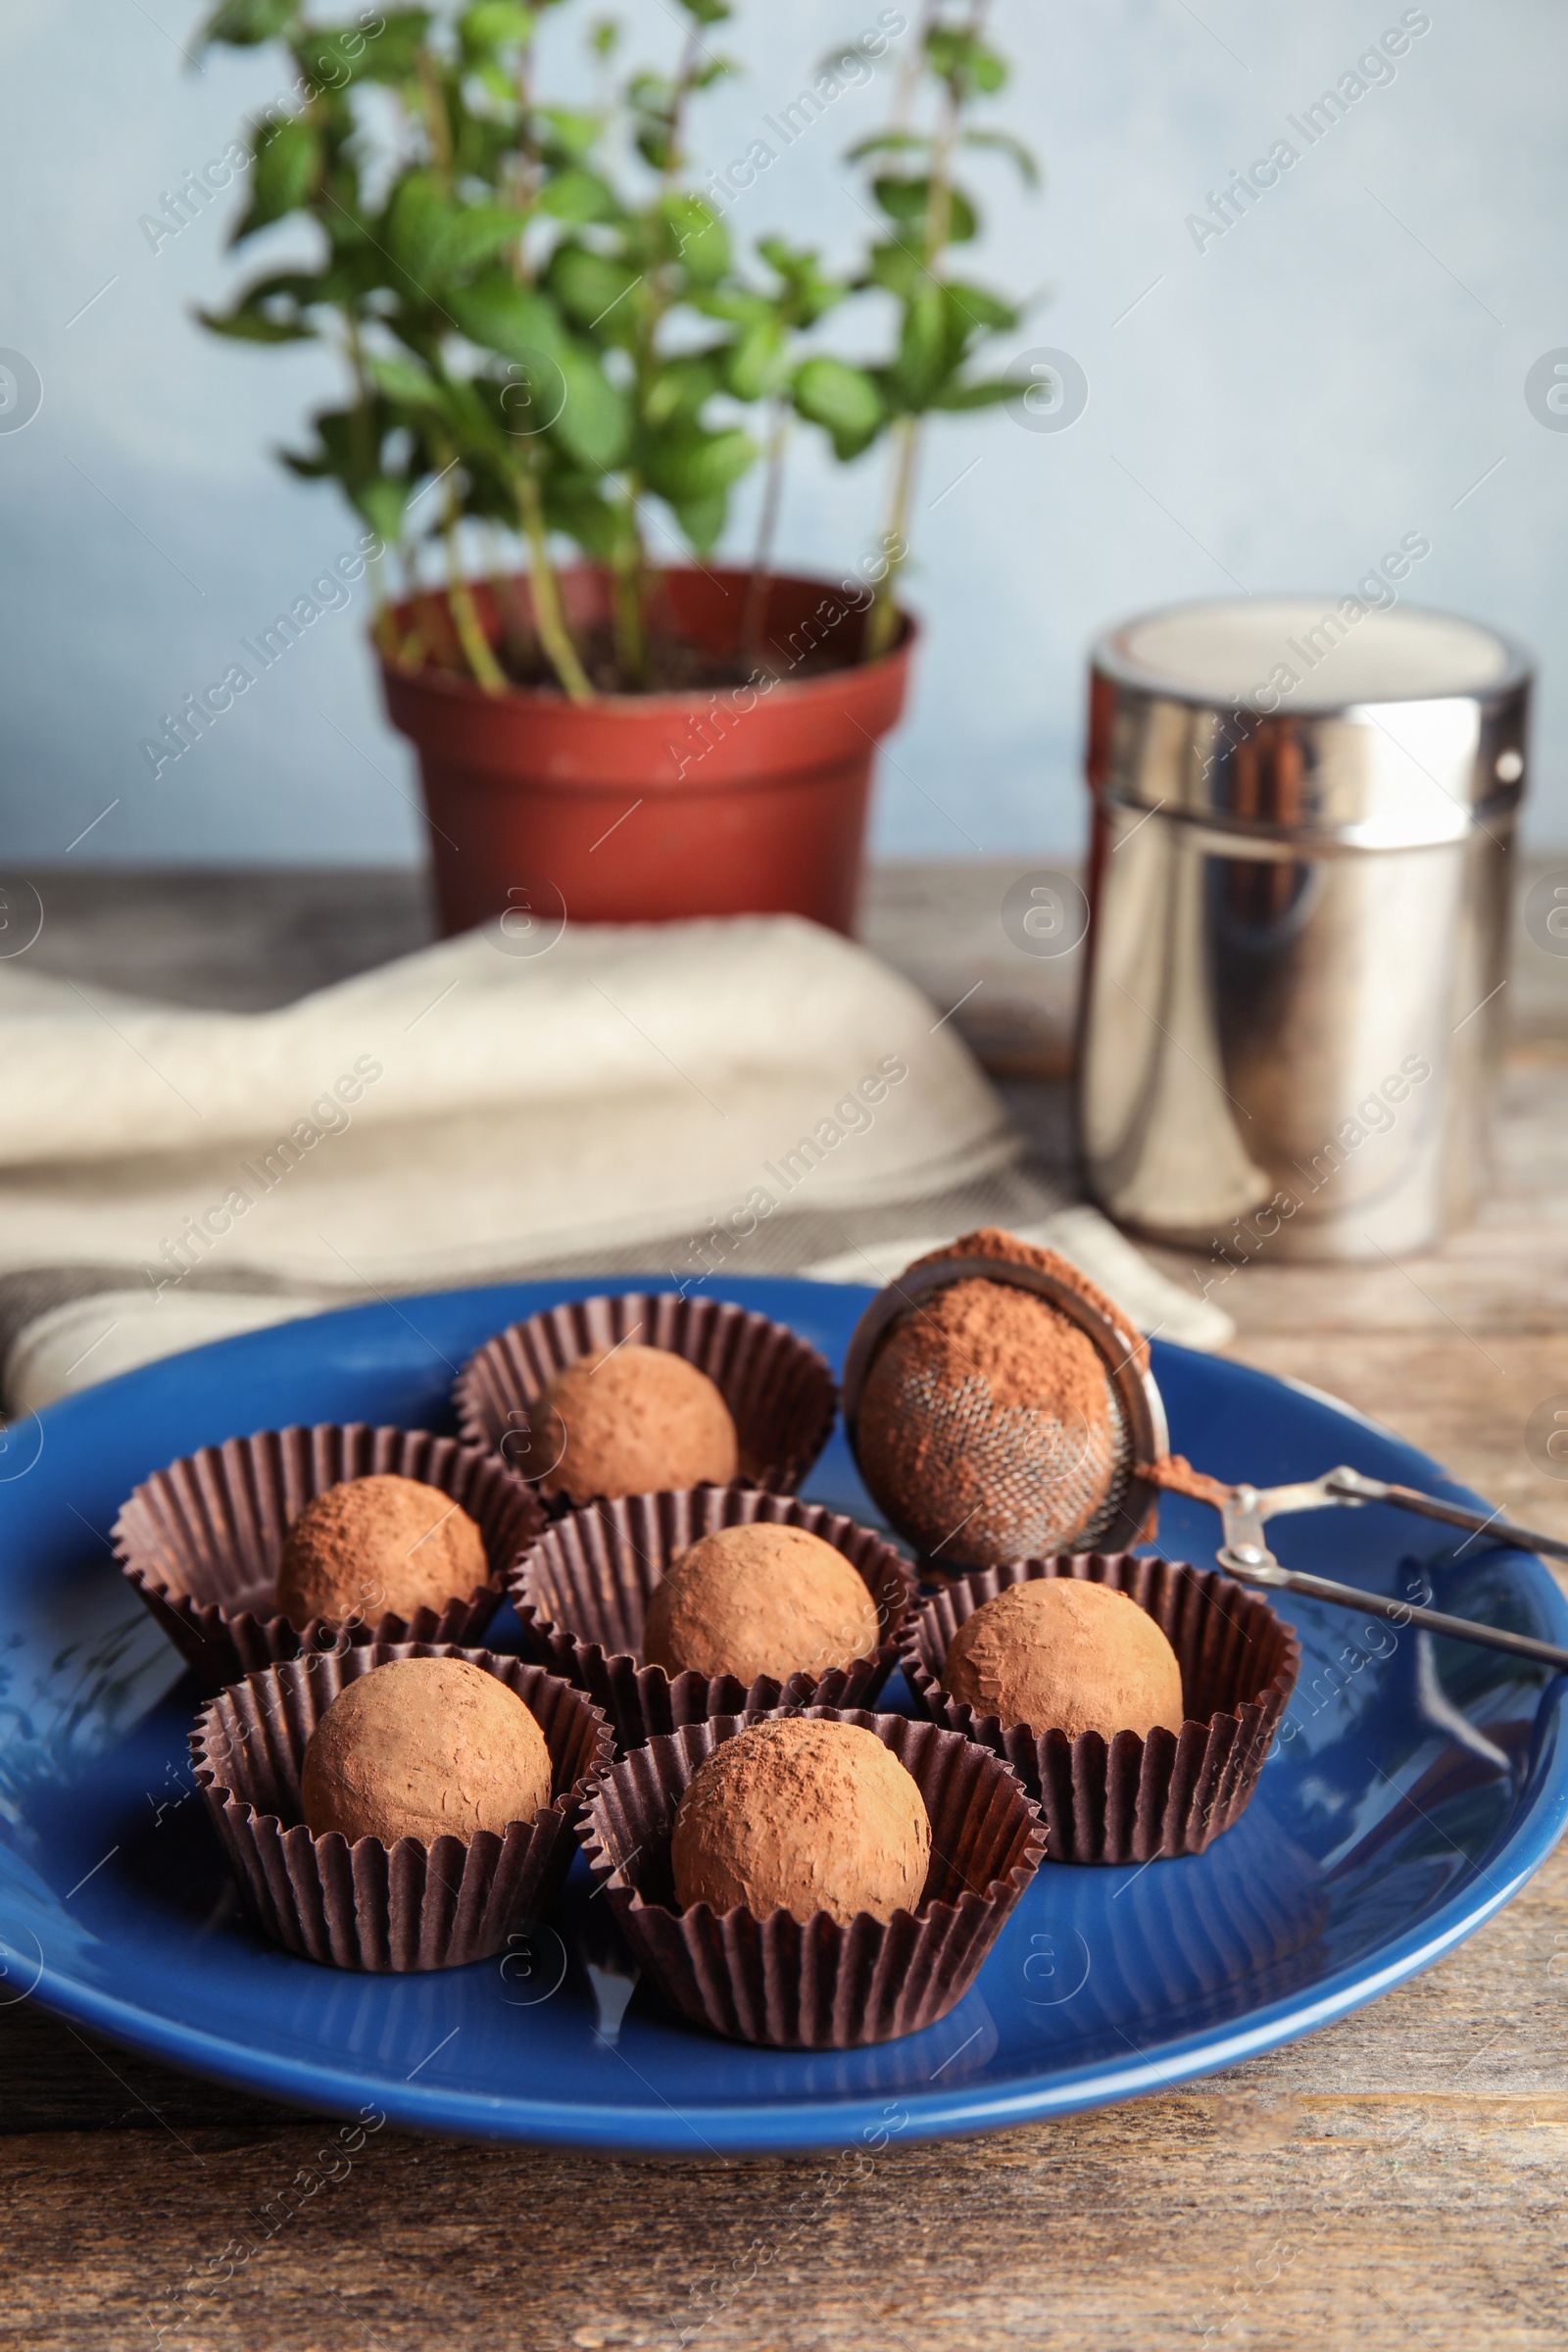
(1311, 718)
(1303, 653)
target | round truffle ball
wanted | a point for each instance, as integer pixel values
(756, 1600)
(802, 1816)
(629, 1420)
(377, 1545)
(1059, 1654)
(426, 1748)
(984, 1427)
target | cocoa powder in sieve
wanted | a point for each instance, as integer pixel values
(1047, 1393)
(991, 1241)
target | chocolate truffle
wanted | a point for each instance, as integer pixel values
(759, 1599)
(377, 1545)
(984, 1427)
(629, 1420)
(426, 1748)
(802, 1816)
(1059, 1654)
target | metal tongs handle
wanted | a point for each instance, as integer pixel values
(1245, 1554)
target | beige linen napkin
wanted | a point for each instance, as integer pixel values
(694, 1098)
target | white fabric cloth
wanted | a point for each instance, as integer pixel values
(464, 1111)
(465, 1107)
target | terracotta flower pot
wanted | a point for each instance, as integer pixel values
(647, 808)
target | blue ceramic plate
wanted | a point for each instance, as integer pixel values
(1417, 1786)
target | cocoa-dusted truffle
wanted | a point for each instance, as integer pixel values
(759, 1600)
(802, 1816)
(629, 1420)
(378, 1544)
(1059, 1654)
(426, 1748)
(985, 1427)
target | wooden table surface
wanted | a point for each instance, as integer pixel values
(1393, 2181)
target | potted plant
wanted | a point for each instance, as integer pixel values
(549, 340)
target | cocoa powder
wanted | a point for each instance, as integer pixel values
(1175, 1473)
(1036, 1405)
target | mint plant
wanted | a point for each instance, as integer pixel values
(545, 332)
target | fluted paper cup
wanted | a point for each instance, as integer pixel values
(1131, 1799)
(201, 1541)
(369, 1905)
(816, 1984)
(582, 1589)
(779, 1391)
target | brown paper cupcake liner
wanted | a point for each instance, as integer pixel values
(369, 1905)
(202, 1540)
(778, 1388)
(582, 1589)
(816, 1984)
(1130, 1799)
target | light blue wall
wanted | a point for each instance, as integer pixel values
(1335, 370)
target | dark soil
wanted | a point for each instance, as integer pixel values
(675, 665)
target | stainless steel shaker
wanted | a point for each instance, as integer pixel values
(1296, 972)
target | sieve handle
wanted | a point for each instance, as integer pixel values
(1352, 1485)
(1251, 1567)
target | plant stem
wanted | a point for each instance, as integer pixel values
(554, 634)
(516, 631)
(755, 615)
(883, 624)
(465, 619)
(628, 585)
(433, 109)
(383, 631)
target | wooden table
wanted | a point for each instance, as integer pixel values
(1394, 2180)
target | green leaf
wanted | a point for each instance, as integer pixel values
(590, 286)
(925, 351)
(680, 387)
(698, 238)
(595, 422)
(334, 59)
(243, 23)
(702, 519)
(272, 309)
(987, 395)
(254, 326)
(496, 25)
(578, 195)
(288, 157)
(435, 240)
(1003, 142)
(908, 201)
(973, 306)
(573, 132)
(415, 222)
(963, 59)
(473, 234)
(889, 142)
(392, 52)
(896, 270)
(577, 509)
(754, 364)
(513, 319)
(708, 12)
(842, 400)
(405, 381)
(686, 466)
(732, 303)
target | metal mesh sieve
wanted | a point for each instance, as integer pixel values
(1047, 1484)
